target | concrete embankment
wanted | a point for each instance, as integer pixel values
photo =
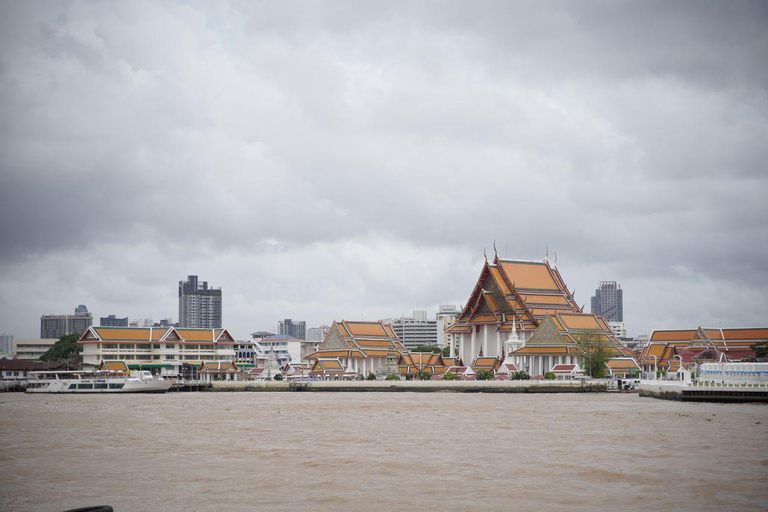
(518, 386)
(703, 393)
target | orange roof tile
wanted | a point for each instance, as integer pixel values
(196, 334)
(529, 275)
(366, 329)
(579, 321)
(123, 334)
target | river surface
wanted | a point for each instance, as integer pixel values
(380, 451)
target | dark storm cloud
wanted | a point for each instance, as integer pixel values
(349, 158)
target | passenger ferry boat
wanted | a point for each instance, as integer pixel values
(96, 381)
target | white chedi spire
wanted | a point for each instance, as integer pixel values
(513, 342)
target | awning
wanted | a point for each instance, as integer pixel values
(142, 366)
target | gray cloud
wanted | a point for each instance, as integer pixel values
(328, 160)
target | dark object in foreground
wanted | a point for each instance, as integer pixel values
(97, 508)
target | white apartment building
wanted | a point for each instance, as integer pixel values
(32, 348)
(167, 351)
(417, 331)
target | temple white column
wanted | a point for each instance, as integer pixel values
(452, 341)
(468, 361)
(485, 340)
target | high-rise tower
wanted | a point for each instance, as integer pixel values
(609, 301)
(199, 305)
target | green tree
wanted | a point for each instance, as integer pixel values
(392, 376)
(450, 376)
(550, 376)
(761, 349)
(596, 351)
(427, 348)
(66, 348)
(279, 376)
(446, 351)
(484, 375)
(521, 375)
(371, 376)
(423, 375)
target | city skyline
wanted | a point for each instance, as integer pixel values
(625, 141)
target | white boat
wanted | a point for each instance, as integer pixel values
(96, 381)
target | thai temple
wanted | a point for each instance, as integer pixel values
(357, 348)
(522, 314)
(669, 349)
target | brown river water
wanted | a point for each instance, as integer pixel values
(380, 451)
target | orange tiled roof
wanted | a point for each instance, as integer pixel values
(529, 275)
(123, 333)
(366, 329)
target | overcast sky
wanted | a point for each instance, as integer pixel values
(352, 160)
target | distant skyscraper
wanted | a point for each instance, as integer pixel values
(609, 301)
(56, 326)
(113, 321)
(6, 343)
(199, 306)
(296, 329)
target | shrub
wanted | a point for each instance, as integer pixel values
(451, 376)
(371, 376)
(279, 376)
(392, 376)
(521, 375)
(422, 375)
(359, 377)
(484, 375)
(550, 376)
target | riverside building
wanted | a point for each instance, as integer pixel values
(170, 352)
(511, 301)
(352, 348)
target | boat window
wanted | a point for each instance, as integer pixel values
(85, 386)
(100, 385)
(72, 386)
(117, 385)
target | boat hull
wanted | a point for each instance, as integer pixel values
(72, 387)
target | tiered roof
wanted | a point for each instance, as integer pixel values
(736, 343)
(521, 291)
(358, 340)
(327, 366)
(562, 334)
(414, 362)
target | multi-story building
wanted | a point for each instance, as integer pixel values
(296, 329)
(32, 348)
(417, 331)
(172, 352)
(314, 334)
(56, 326)
(6, 343)
(446, 317)
(113, 321)
(608, 301)
(287, 349)
(199, 306)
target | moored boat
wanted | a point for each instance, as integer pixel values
(96, 381)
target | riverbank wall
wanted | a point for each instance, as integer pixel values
(519, 386)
